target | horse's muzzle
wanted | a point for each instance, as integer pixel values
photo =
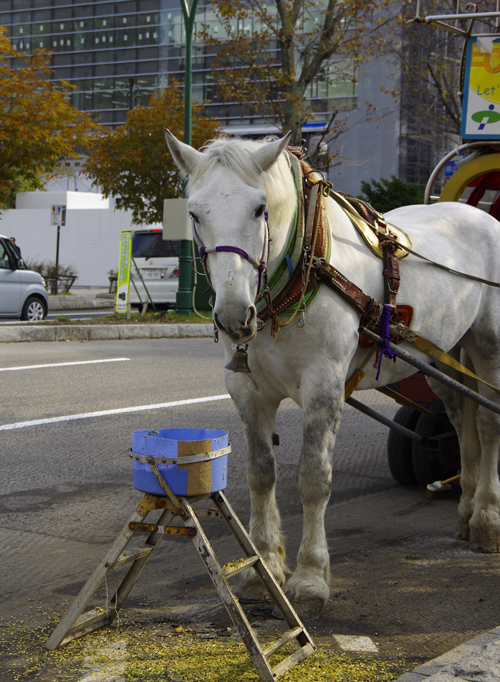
(239, 324)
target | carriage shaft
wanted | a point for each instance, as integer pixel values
(432, 371)
(384, 420)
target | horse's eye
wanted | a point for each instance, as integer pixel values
(260, 210)
(193, 217)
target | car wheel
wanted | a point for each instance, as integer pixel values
(34, 309)
(426, 464)
(399, 447)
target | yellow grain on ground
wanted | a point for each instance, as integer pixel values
(152, 654)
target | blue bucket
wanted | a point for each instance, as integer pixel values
(204, 470)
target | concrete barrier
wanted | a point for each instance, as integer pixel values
(35, 332)
(65, 302)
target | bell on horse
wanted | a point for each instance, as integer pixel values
(239, 361)
(246, 214)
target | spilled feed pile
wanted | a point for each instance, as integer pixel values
(145, 651)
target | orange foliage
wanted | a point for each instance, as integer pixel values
(38, 125)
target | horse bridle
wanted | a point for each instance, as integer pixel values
(259, 265)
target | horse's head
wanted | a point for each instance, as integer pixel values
(228, 206)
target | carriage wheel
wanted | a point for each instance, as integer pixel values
(426, 465)
(399, 447)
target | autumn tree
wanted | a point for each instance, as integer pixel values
(270, 53)
(38, 125)
(132, 163)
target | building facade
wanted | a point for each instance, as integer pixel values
(118, 53)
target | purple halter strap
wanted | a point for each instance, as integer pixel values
(259, 265)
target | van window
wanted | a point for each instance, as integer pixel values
(14, 253)
(4, 256)
(151, 244)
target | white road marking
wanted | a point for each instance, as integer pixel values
(106, 413)
(63, 364)
(356, 643)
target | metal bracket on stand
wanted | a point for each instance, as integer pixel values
(149, 299)
(76, 623)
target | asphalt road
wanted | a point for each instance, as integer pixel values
(398, 574)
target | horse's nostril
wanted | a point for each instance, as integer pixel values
(219, 323)
(251, 314)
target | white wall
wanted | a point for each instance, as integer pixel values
(89, 241)
(72, 200)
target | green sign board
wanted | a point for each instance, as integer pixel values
(123, 282)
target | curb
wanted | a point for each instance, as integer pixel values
(16, 334)
(77, 303)
(477, 659)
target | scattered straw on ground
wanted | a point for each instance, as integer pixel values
(145, 652)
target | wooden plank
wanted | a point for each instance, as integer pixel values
(85, 623)
(232, 605)
(128, 557)
(241, 566)
(90, 587)
(207, 513)
(292, 660)
(248, 546)
(166, 530)
(287, 637)
(138, 566)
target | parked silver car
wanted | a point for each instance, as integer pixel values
(22, 291)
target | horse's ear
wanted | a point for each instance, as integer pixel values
(268, 153)
(186, 158)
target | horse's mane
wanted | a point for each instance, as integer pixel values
(236, 155)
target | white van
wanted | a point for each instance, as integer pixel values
(158, 263)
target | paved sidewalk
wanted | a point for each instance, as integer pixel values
(475, 661)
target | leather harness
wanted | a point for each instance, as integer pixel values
(316, 237)
(391, 245)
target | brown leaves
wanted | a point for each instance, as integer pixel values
(272, 51)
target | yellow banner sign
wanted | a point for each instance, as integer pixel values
(481, 102)
(123, 281)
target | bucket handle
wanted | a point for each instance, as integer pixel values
(190, 459)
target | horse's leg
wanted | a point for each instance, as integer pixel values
(485, 520)
(259, 419)
(479, 432)
(462, 415)
(309, 586)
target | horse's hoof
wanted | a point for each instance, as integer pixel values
(485, 541)
(306, 609)
(252, 593)
(463, 530)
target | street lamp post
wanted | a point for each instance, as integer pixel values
(184, 297)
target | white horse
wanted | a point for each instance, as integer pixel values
(231, 185)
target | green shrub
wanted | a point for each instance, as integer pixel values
(384, 195)
(48, 270)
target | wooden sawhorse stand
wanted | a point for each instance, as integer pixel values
(75, 623)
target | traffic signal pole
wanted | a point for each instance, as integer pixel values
(184, 297)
